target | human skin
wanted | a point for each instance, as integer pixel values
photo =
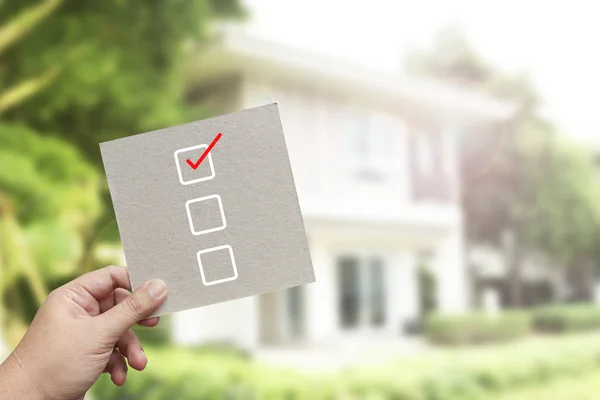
(82, 330)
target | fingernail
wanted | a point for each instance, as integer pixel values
(143, 354)
(157, 288)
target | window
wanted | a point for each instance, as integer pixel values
(372, 144)
(430, 183)
(362, 296)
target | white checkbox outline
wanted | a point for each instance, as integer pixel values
(209, 157)
(189, 214)
(216, 282)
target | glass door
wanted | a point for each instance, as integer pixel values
(362, 296)
(293, 314)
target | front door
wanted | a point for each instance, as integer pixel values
(361, 293)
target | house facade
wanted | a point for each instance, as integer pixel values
(374, 159)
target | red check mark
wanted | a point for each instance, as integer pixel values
(203, 156)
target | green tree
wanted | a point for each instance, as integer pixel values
(108, 68)
(72, 74)
(49, 199)
(522, 181)
(98, 70)
(11, 32)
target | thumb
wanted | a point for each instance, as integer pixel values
(136, 307)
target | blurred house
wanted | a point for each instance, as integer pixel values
(374, 158)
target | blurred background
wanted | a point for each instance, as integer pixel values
(446, 156)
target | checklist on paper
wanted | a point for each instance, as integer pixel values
(209, 207)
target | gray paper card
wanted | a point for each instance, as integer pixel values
(209, 207)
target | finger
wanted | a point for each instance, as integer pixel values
(117, 368)
(130, 346)
(137, 307)
(118, 296)
(102, 282)
(150, 322)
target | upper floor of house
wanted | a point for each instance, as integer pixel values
(362, 144)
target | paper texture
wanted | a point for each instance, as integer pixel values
(224, 228)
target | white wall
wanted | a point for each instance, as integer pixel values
(302, 120)
(233, 321)
(318, 128)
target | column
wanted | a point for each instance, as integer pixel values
(247, 334)
(321, 297)
(450, 267)
(403, 291)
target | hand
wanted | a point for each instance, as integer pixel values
(82, 330)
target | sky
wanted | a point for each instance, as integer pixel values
(552, 41)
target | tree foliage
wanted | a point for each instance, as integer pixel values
(10, 33)
(524, 180)
(73, 74)
(49, 200)
(116, 65)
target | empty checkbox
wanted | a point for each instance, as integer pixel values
(217, 265)
(189, 167)
(206, 214)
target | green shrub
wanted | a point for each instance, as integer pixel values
(476, 328)
(157, 336)
(480, 373)
(567, 318)
(222, 349)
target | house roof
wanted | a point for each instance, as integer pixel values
(235, 50)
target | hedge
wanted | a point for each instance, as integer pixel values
(573, 388)
(158, 335)
(567, 318)
(476, 328)
(452, 374)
